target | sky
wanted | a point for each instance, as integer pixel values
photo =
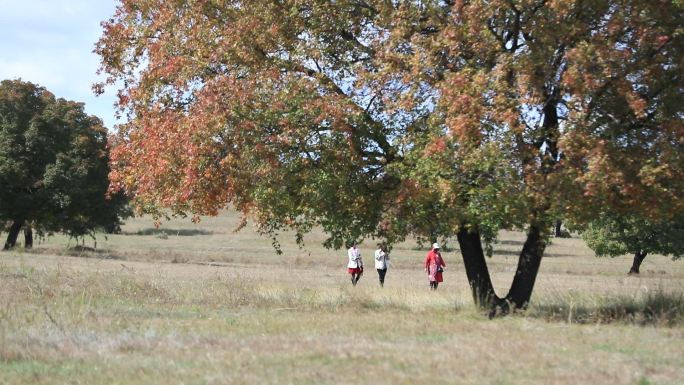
(50, 43)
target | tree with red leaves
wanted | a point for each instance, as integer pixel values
(388, 119)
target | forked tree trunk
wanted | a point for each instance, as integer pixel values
(476, 268)
(638, 258)
(480, 281)
(28, 237)
(528, 266)
(13, 234)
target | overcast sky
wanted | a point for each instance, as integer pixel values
(50, 43)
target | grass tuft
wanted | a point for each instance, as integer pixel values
(659, 308)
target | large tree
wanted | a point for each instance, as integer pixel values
(615, 235)
(389, 118)
(54, 165)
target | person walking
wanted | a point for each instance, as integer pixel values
(382, 262)
(355, 265)
(434, 266)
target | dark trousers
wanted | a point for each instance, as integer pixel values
(381, 275)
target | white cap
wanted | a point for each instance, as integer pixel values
(435, 245)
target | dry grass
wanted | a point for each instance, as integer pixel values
(197, 304)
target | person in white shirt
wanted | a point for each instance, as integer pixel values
(355, 265)
(382, 262)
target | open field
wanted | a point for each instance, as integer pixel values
(198, 304)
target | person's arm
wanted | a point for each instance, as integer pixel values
(427, 261)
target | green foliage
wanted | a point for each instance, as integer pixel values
(392, 119)
(53, 163)
(614, 235)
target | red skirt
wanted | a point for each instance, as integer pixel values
(354, 270)
(434, 275)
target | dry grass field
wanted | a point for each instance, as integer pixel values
(198, 304)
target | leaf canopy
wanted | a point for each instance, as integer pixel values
(53, 163)
(386, 118)
(618, 235)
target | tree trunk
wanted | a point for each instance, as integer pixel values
(557, 232)
(476, 268)
(638, 258)
(480, 281)
(13, 234)
(28, 237)
(526, 274)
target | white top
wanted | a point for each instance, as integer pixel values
(381, 259)
(354, 258)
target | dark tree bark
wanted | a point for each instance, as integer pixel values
(557, 232)
(13, 234)
(480, 281)
(28, 237)
(638, 258)
(476, 268)
(528, 266)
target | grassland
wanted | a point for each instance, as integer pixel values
(199, 304)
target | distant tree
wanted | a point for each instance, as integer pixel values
(394, 118)
(53, 165)
(613, 236)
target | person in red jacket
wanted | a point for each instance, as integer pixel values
(434, 265)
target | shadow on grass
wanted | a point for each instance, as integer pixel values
(89, 252)
(170, 232)
(510, 242)
(659, 308)
(79, 251)
(516, 253)
(557, 255)
(427, 248)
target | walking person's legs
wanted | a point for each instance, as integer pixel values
(381, 276)
(355, 278)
